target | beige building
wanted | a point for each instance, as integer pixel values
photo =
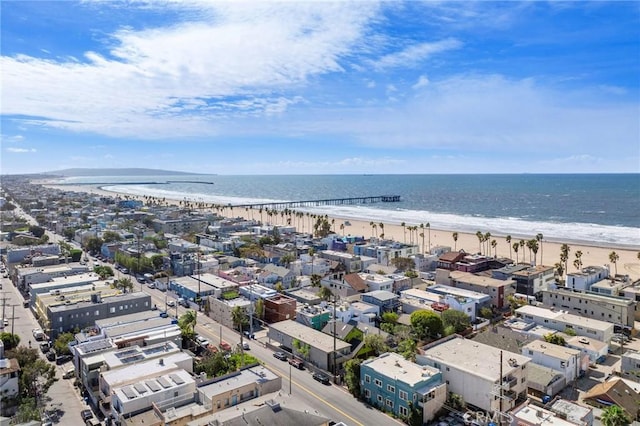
(499, 290)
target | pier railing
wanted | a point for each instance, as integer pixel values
(279, 205)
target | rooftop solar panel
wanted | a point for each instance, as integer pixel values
(153, 385)
(140, 388)
(164, 382)
(129, 393)
(177, 379)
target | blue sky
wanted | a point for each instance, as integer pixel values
(316, 88)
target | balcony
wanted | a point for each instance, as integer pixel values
(509, 382)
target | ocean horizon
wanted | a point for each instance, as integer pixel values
(600, 209)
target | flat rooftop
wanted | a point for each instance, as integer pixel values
(314, 338)
(191, 283)
(416, 293)
(246, 377)
(114, 299)
(556, 351)
(395, 366)
(481, 281)
(473, 357)
(539, 416)
(67, 281)
(456, 292)
(139, 371)
(126, 319)
(217, 282)
(564, 317)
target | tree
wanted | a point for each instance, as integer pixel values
(404, 231)
(286, 260)
(352, 376)
(36, 374)
(613, 258)
(315, 280)
(539, 238)
(569, 331)
(522, 244)
(494, 244)
(187, 323)
(564, 255)
(157, 260)
(459, 320)
(37, 231)
(403, 263)
(93, 244)
(415, 417)
(124, 284)
(613, 415)
(259, 307)
(301, 348)
(376, 343)
(9, 340)
(325, 293)
(239, 317)
(516, 247)
(279, 287)
(555, 339)
(407, 348)
(111, 236)
(389, 317)
(508, 240)
(486, 312)
(455, 241)
(103, 271)
(559, 271)
(578, 262)
(61, 344)
(426, 324)
(428, 226)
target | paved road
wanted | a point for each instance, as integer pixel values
(62, 393)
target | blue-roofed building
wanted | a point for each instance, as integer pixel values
(386, 300)
(391, 382)
(130, 204)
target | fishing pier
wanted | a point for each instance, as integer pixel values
(280, 205)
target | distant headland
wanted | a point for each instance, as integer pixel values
(116, 172)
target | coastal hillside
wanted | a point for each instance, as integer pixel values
(116, 172)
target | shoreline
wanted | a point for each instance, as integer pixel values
(593, 254)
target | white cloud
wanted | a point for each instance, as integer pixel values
(20, 150)
(415, 54)
(11, 139)
(423, 81)
(175, 81)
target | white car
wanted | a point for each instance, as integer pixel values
(171, 303)
(202, 341)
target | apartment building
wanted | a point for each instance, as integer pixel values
(630, 365)
(498, 290)
(583, 279)
(220, 310)
(391, 382)
(617, 310)
(279, 308)
(474, 371)
(559, 358)
(531, 281)
(561, 320)
(466, 301)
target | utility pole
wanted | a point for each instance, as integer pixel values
(13, 317)
(335, 377)
(4, 302)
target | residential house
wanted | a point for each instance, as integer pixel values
(615, 392)
(466, 301)
(314, 316)
(559, 358)
(348, 285)
(475, 372)
(533, 280)
(392, 383)
(498, 290)
(630, 365)
(583, 279)
(385, 300)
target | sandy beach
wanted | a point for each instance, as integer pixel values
(548, 254)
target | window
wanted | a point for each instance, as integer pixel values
(391, 389)
(379, 398)
(97, 312)
(389, 403)
(447, 368)
(530, 352)
(59, 319)
(367, 378)
(367, 393)
(112, 309)
(403, 395)
(378, 383)
(403, 411)
(523, 380)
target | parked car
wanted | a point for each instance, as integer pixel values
(51, 356)
(171, 303)
(45, 347)
(321, 377)
(202, 341)
(38, 334)
(225, 346)
(295, 362)
(86, 415)
(63, 358)
(280, 355)
(71, 372)
(245, 345)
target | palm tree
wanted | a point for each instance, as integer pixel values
(422, 235)
(325, 293)
(614, 416)
(559, 270)
(455, 241)
(373, 228)
(428, 225)
(534, 249)
(480, 236)
(516, 246)
(564, 255)
(494, 244)
(539, 238)
(487, 238)
(381, 226)
(239, 317)
(404, 231)
(578, 260)
(124, 284)
(342, 228)
(188, 321)
(508, 240)
(613, 258)
(522, 244)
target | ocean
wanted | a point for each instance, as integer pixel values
(590, 208)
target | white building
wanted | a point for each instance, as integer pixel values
(583, 280)
(529, 414)
(472, 370)
(357, 311)
(561, 320)
(630, 365)
(559, 358)
(618, 310)
(466, 301)
(9, 369)
(377, 281)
